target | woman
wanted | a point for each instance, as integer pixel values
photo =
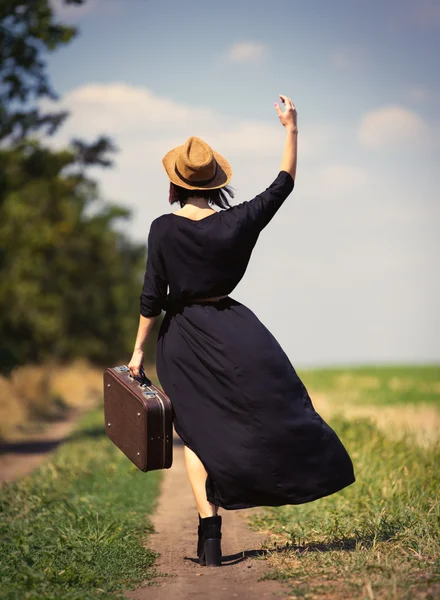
(250, 431)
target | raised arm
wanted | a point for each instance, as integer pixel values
(288, 119)
(260, 210)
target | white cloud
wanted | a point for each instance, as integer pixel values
(145, 126)
(247, 52)
(138, 118)
(391, 127)
(127, 110)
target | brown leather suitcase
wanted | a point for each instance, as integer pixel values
(138, 418)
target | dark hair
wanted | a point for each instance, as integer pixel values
(217, 197)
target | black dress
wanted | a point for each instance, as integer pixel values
(238, 401)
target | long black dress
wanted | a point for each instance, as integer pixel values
(238, 401)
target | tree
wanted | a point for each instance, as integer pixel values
(69, 283)
(27, 31)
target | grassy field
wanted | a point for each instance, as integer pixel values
(74, 528)
(376, 385)
(379, 538)
(402, 402)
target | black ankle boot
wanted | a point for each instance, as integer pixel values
(209, 544)
(199, 536)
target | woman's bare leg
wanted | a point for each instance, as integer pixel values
(197, 477)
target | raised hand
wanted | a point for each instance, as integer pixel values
(289, 116)
(288, 120)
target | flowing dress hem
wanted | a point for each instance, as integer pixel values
(295, 500)
(209, 486)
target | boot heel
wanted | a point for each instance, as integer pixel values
(212, 553)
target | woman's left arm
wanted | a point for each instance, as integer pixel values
(145, 326)
(152, 299)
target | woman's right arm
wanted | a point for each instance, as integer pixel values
(288, 119)
(260, 210)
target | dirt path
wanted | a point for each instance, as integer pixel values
(18, 458)
(175, 538)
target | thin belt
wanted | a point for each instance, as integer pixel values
(177, 305)
(208, 299)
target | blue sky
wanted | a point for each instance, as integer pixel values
(346, 273)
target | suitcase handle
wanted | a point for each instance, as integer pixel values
(143, 380)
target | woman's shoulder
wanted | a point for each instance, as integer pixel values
(160, 221)
(158, 227)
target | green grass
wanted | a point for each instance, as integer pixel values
(376, 539)
(74, 529)
(376, 385)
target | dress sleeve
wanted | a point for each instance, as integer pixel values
(260, 210)
(152, 298)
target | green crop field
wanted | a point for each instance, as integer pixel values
(75, 528)
(377, 385)
(380, 537)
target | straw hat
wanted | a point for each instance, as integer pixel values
(196, 166)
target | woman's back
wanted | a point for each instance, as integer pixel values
(206, 257)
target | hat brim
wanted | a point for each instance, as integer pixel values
(223, 175)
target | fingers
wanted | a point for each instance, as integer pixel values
(134, 372)
(278, 109)
(288, 102)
